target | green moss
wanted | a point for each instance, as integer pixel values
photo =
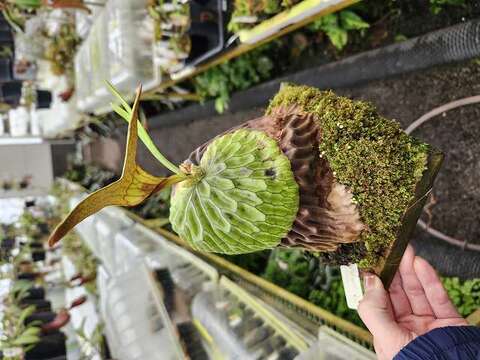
(368, 153)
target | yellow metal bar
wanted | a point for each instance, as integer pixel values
(296, 14)
(215, 351)
(474, 318)
(279, 326)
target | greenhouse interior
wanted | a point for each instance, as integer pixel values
(244, 179)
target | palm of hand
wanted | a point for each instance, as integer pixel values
(415, 304)
(419, 325)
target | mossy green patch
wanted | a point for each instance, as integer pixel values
(368, 153)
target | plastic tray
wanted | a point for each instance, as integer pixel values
(244, 328)
(129, 47)
(138, 319)
(108, 224)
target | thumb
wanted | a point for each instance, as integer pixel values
(375, 308)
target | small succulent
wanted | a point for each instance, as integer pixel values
(317, 171)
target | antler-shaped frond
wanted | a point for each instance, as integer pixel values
(133, 187)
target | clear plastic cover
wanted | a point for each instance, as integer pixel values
(129, 47)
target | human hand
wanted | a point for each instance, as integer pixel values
(416, 303)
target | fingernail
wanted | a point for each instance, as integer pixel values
(369, 281)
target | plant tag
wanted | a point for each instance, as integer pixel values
(187, 70)
(352, 285)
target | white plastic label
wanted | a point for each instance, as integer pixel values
(352, 285)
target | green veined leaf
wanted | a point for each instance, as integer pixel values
(351, 21)
(25, 313)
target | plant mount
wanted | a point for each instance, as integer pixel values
(318, 172)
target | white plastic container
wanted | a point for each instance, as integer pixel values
(35, 125)
(107, 226)
(2, 125)
(99, 58)
(83, 77)
(133, 306)
(19, 119)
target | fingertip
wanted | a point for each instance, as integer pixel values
(372, 282)
(374, 310)
(423, 269)
(409, 251)
(406, 264)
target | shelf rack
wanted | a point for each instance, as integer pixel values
(281, 24)
(292, 306)
(244, 41)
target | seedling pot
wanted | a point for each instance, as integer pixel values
(40, 304)
(44, 317)
(27, 276)
(44, 228)
(8, 243)
(49, 346)
(38, 256)
(35, 293)
(35, 245)
(208, 36)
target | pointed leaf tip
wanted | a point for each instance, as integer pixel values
(133, 187)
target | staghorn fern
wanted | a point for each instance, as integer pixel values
(317, 171)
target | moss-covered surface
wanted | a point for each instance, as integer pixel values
(368, 153)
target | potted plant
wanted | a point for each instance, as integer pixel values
(61, 50)
(319, 172)
(172, 43)
(181, 46)
(16, 337)
(247, 13)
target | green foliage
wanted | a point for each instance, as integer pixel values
(256, 10)
(61, 50)
(82, 258)
(321, 285)
(14, 331)
(238, 74)
(254, 262)
(89, 176)
(437, 6)
(289, 269)
(156, 206)
(367, 153)
(122, 108)
(28, 4)
(334, 301)
(337, 25)
(465, 295)
(95, 340)
(20, 289)
(400, 38)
